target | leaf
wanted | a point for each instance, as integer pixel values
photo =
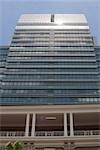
(18, 146)
(9, 146)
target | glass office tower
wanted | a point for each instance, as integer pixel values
(51, 60)
(50, 84)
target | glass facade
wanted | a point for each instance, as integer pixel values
(50, 64)
(3, 56)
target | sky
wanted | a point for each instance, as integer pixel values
(11, 10)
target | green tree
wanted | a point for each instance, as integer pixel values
(18, 146)
(9, 146)
(15, 146)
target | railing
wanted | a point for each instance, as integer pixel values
(49, 133)
(37, 133)
(12, 133)
(86, 132)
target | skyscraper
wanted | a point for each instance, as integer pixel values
(50, 87)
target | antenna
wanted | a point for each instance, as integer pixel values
(52, 18)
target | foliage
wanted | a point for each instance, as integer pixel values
(15, 146)
(18, 146)
(9, 146)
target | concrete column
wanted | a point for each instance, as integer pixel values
(71, 125)
(32, 147)
(65, 146)
(68, 146)
(33, 124)
(72, 146)
(65, 125)
(26, 146)
(27, 125)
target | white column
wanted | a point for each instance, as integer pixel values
(65, 124)
(27, 125)
(33, 124)
(71, 125)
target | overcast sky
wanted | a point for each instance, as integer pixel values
(10, 11)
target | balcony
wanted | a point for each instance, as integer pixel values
(87, 133)
(49, 133)
(42, 125)
(12, 133)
